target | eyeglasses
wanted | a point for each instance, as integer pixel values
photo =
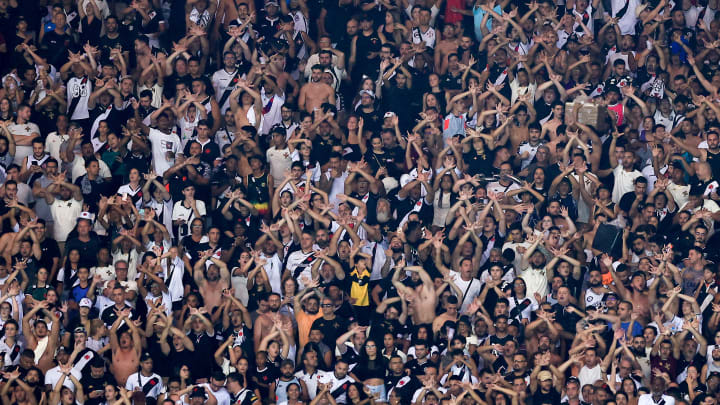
(327, 305)
(371, 346)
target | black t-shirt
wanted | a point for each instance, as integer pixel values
(106, 44)
(204, 351)
(372, 120)
(88, 250)
(416, 368)
(331, 329)
(321, 149)
(451, 82)
(379, 326)
(92, 190)
(540, 398)
(109, 316)
(478, 164)
(139, 162)
(90, 31)
(193, 248)
(56, 46)
(627, 200)
(371, 369)
(50, 250)
(90, 384)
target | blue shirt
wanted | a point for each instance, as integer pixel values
(478, 15)
(637, 328)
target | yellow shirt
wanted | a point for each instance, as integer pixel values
(359, 287)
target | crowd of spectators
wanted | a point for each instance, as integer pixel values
(414, 202)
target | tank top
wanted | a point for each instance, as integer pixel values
(713, 160)
(711, 367)
(619, 110)
(592, 298)
(39, 162)
(281, 389)
(32, 159)
(257, 188)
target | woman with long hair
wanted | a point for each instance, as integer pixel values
(371, 369)
(391, 31)
(6, 109)
(68, 273)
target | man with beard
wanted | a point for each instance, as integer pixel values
(331, 325)
(384, 217)
(657, 393)
(398, 380)
(211, 280)
(239, 393)
(309, 373)
(314, 93)
(22, 393)
(519, 368)
(689, 351)
(542, 386)
(264, 324)
(385, 288)
(330, 271)
(501, 356)
(306, 314)
(710, 155)
(594, 294)
(95, 381)
(338, 381)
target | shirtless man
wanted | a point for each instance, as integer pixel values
(212, 281)
(422, 299)
(264, 323)
(448, 45)
(636, 292)
(451, 314)
(315, 93)
(126, 348)
(39, 339)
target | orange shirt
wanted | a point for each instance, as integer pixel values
(304, 323)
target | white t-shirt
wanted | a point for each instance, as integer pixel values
(79, 87)
(273, 104)
(628, 20)
(623, 182)
(65, 214)
(335, 383)
(222, 396)
(53, 142)
(138, 380)
(187, 214)
(646, 399)
(221, 80)
(273, 268)
(53, 376)
(279, 160)
(470, 289)
(78, 168)
(532, 150)
(164, 148)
